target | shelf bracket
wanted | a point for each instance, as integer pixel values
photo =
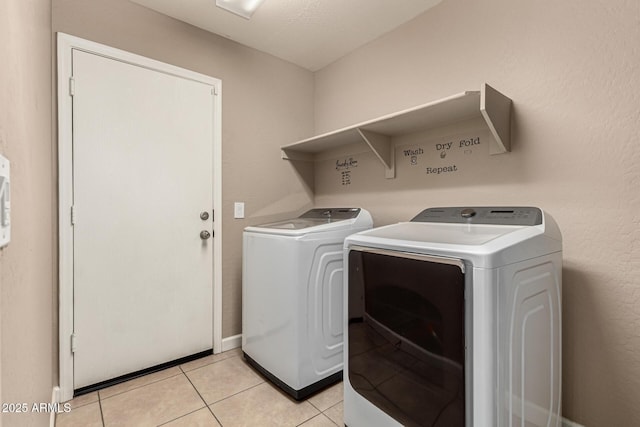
(496, 111)
(296, 155)
(383, 149)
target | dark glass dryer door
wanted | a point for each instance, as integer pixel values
(406, 344)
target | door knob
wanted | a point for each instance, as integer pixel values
(204, 234)
(204, 215)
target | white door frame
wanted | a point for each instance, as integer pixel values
(66, 44)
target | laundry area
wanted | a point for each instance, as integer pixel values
(319, 213)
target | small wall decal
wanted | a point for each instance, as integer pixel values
(413, 155)
(344, 166)
(346, 177)
(469, 142)
(441, 169)
(443, 147)
(450, 151)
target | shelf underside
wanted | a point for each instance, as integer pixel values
(378, 134)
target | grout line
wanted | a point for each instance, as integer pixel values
(334, 423)
(101, 413)
(186, 373)
(197, 391)
(205, 365)
(212, 363)
(84, 404)
(331, 419)
(308, 399)
(206, 405)
(311, 403)
(140, 386)
(235, 394)
(315, 416)
(214, 415)
(182, 416)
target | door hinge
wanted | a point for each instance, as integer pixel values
(214, 90)
(73, 343)
(72, 86)
(73, 215)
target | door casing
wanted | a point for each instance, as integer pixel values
(66, 44)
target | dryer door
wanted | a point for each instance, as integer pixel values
(406, 346)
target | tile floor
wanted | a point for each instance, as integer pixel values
(218, 390)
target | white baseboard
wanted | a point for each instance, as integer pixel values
(569, 423)
(232, 342)
(55, 398)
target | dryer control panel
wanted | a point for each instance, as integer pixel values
(502, 215)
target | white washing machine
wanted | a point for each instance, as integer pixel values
(292, 297)
(454, 319)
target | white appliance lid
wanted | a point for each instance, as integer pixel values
(317, 220)
(295, 224)
(448, 234)
(487, 237)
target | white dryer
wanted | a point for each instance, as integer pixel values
(454, 319)
(292, 297)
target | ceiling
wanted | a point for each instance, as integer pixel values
(310, 33)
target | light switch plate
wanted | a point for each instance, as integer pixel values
(238, 210)
(5, 202)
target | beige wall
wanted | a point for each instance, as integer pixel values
(570, 67)
(572, 70)
(27, 265)
(265, 101)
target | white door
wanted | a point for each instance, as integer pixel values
(142, 175)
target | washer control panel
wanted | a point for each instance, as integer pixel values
(333, 214)
(521, 215)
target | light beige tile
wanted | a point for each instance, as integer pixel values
(263, 406)
(152, 404)
(83, 416)
(139, 382)
(85, 399)
(327, 397)
(336, 413)
(207, 360)
(200, 418)
(319, 421)
(223, 379)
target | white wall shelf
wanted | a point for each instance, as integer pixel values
(378, 134)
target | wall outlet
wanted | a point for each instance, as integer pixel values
(238, 210)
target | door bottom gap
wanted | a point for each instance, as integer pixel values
(108, 383)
